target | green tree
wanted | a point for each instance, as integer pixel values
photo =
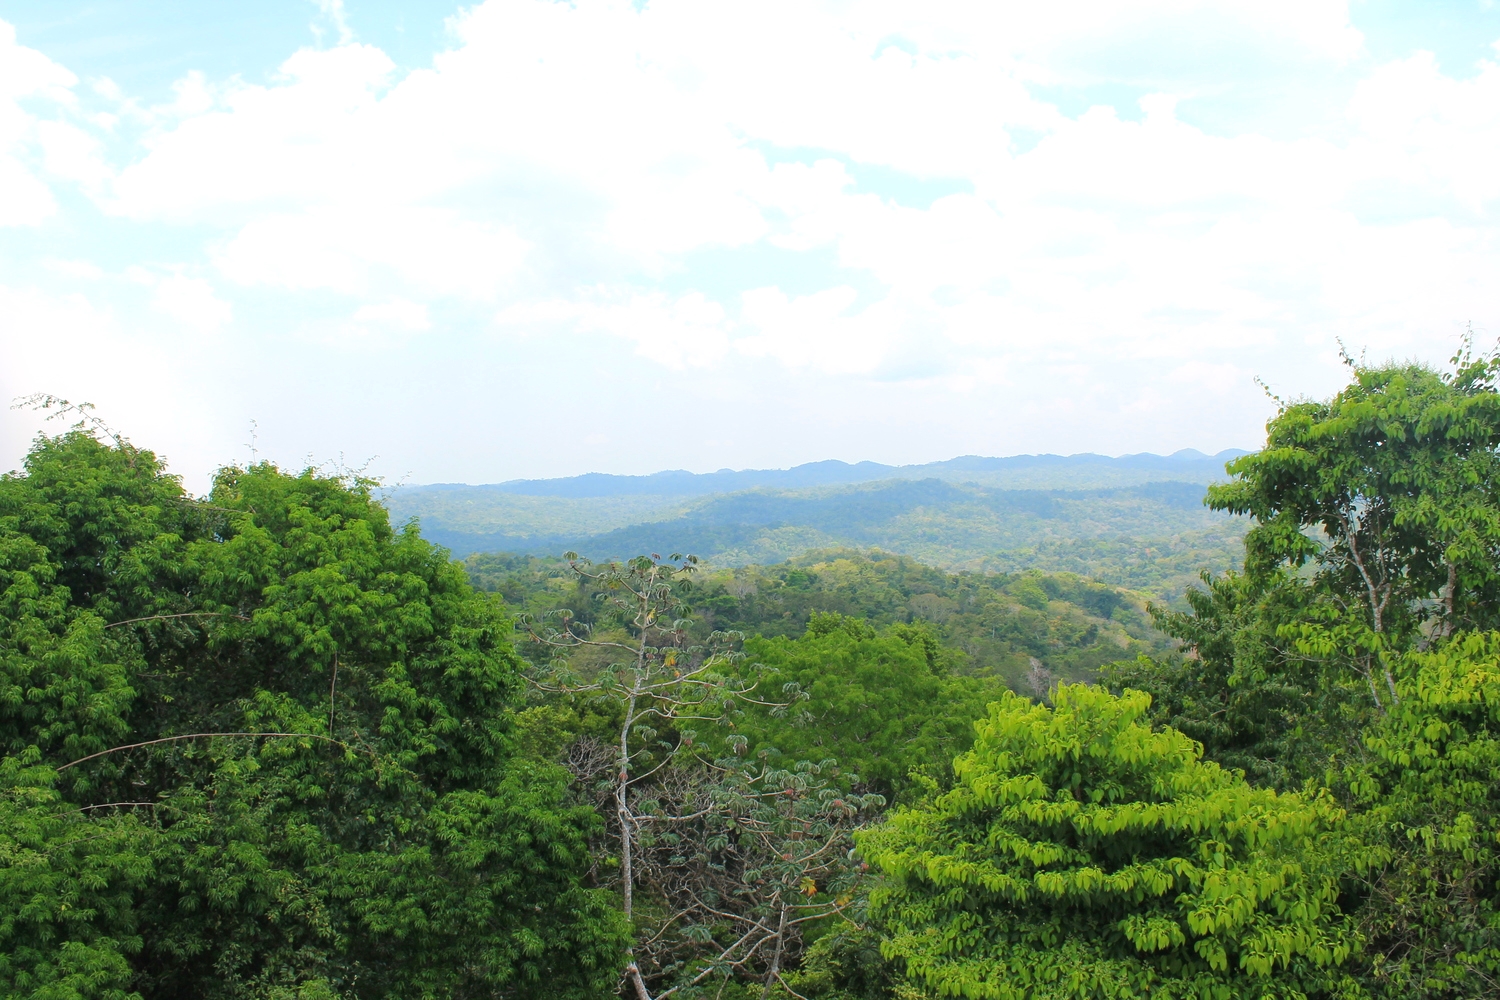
(1083, 854)
(1242, 687)
(879, 702)
(659, 686)
(1399, 474)
(1355, 649)
(259, 744)
(68, 882)
(1430, 797)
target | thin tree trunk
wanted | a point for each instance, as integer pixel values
(776, 956)
(333, 687)
(627, 845)
(1449, 592)
(1390, 681)
(1377, 603)
(1370, 676)
(1377, 607)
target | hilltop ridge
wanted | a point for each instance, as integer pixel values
(1188, 465)
(1135, 521)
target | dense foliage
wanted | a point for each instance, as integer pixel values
(260, 744)
(986, 624)
(1246, 692)
(1430, 795)
(1398, 473)
(1084, 855)
(380, 839)
(878, 701)
(1153, 537)
(1355, 651)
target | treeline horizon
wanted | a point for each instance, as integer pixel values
(1001, 625)
(1150, 536)
(833, 471)
(270, 743)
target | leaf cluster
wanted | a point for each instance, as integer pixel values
(258, 743)
(1084, 854)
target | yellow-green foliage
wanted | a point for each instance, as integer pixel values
(1084, 855)
(1431, 792)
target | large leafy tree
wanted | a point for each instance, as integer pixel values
(1243, 688)
(1357, 646)
(258, 745)
(1084, 854)
(1390, 490)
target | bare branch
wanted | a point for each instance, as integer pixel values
(185, 614)
(198, 736)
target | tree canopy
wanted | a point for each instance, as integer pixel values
(879, 701)
(1084, 854)
(259, 743)
(263, 744)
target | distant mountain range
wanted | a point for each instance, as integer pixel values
(1187, 465)
(1136, 520)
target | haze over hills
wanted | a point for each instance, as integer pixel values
(1016, 471)
(1136, 520)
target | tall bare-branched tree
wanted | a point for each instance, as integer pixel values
(736, 852)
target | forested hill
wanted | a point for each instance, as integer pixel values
(1136, 521)
(1026, 630)
(1015, 472)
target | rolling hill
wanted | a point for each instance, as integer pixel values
(1136, 521)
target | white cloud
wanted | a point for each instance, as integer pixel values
(396, 314)
(25, 200)
(1430, 133)
(891, 197)
(820, 330)
(76, 268)
(191, 302)
(162, 385)
(351, 251)
(71, 154)
(686, 332)
(306, 139)
(37, 331)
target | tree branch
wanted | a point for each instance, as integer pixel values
(197, 736)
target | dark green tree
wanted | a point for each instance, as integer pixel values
(879, 702)
(259, 743)
(1242, 687)
(1356, 649)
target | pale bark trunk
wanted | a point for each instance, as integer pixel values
(776, 956)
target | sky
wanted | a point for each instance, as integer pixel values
(525, 238)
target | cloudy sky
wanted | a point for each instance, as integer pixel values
(528, 238)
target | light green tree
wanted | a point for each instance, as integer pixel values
(1083, 854)
(1429, 796)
